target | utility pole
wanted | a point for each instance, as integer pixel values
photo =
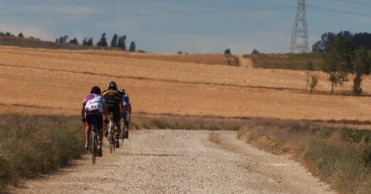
(299, 37)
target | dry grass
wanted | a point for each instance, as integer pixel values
(34, 145)
(55, 82)
(287, 61)
(339, 156)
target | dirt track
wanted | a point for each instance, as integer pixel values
(179, 161)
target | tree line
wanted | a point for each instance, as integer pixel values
(117, 41)
(343, 54)
(357, 40)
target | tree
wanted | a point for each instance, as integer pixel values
(74, 41)
(323, 45)
(103, 41)
(20, 35)
(227, 52)
(121, 42)
(337, 62)
(313, 83)
(114, 42)
(361, 66)
(87, 41)
(358, 40)
(62, 39)
(132, 47)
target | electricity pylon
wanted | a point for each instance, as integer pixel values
(299, 37)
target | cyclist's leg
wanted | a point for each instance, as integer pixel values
(110, 111)
(99, 124)
(117, 118)
(87, 130)
(126, 117)
(126, 122)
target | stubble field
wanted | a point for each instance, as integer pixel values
(41, 81)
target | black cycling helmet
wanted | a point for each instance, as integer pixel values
(95, 90)
(112, 85)
(122, 91)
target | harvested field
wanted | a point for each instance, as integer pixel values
(41, 81)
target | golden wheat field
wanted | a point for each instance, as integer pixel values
(41, 81)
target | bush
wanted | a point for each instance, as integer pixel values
(37, 144)
(339, 156)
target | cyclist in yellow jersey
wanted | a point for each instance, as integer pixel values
(115, 107)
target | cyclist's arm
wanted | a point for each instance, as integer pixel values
(121, 103)
(83, 111)
(129, 108)
(105, 111)
(121, 107)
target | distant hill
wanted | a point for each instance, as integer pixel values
(215, 59)
(265, 61)
(37, 43)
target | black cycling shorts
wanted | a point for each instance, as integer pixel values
(97, 118)
(115, 111)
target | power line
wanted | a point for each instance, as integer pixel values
(353, 2)
(339, 11)
(148, 13)
(79, 2)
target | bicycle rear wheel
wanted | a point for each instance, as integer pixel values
(112, 137)
(122, 130)
(93, 144)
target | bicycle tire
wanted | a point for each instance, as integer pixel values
(122, 130)
(112, 136)
(93, 144)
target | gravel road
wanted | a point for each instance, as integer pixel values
(180, 161)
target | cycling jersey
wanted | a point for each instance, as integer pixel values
(113, 99)
(93, 104)
(126, 102)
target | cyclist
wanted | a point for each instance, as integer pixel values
(115, 108)
(127, 112)
(94, 108)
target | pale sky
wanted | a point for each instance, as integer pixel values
(193, 26)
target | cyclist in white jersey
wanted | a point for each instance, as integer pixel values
(94, 108)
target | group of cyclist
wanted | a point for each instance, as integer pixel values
(101, 106)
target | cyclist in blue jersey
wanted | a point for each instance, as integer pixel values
(127, 112)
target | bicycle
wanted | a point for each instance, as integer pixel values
(123, 127)
(111, 138)
(126, 116)
(93, 141)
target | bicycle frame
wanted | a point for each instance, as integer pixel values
(112, 135)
